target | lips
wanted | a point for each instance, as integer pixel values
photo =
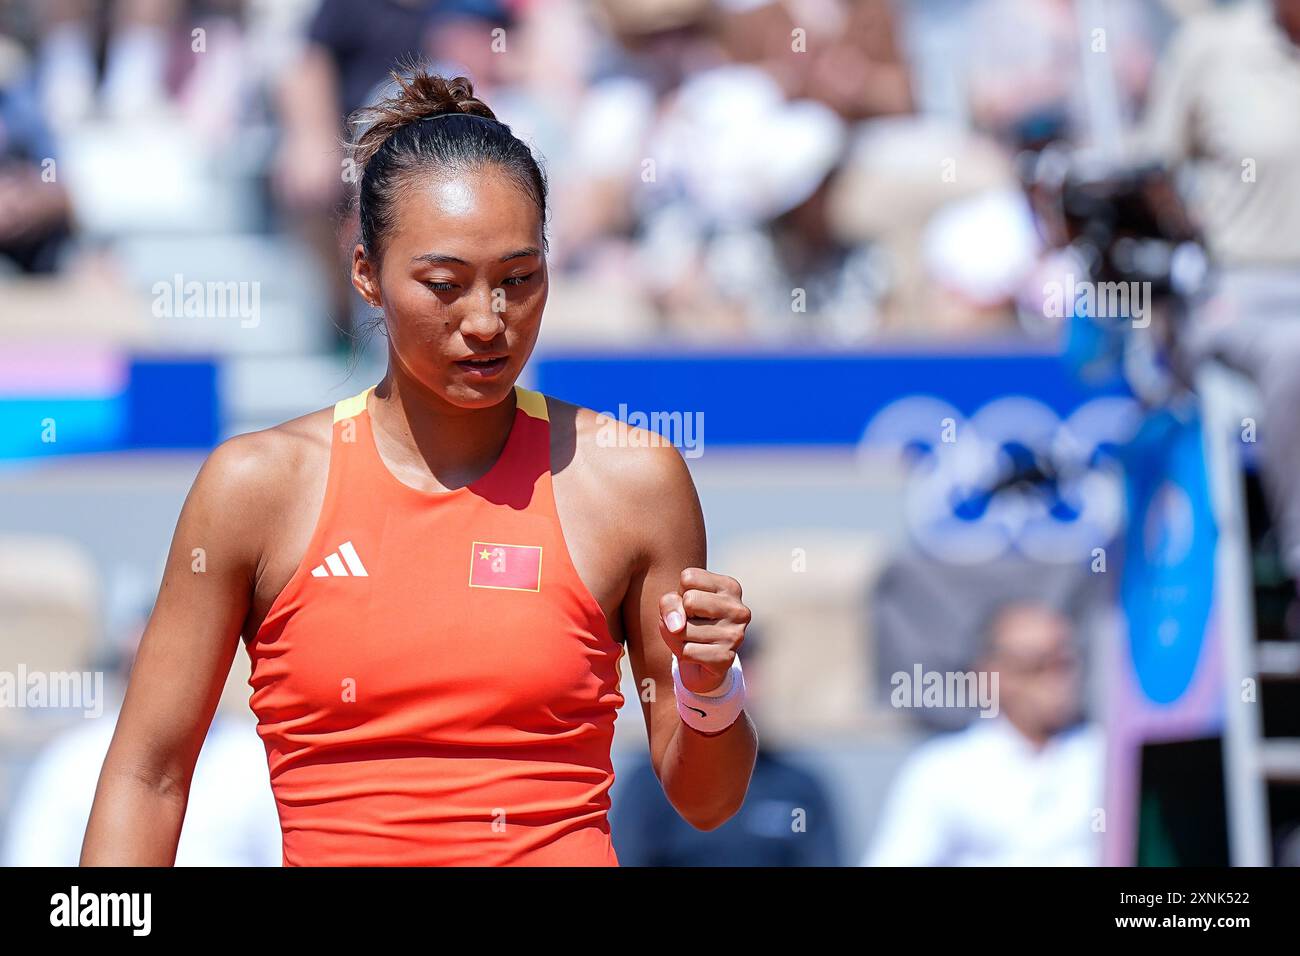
(484, 367)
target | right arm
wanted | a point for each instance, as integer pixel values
(183, 659)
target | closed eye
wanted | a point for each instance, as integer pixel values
(518, 280)
(441, 286)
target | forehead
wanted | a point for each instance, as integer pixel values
(474, 213)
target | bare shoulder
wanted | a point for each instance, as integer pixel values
(262, 460)
(621, 456)
(249, 476)
(632, 467)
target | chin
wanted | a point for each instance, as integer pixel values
(471, 394)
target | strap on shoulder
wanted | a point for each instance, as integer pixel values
(531, 403)
(351, 407)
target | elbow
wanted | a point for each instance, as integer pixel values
(707, 823)
(710, 818)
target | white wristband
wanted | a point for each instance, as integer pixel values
(718, 710)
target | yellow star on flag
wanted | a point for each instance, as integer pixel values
(484, 554)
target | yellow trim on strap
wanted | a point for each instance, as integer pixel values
(532, 403)
(351, 407)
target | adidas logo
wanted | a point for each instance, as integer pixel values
(334, 565)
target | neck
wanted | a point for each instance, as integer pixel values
(425, 436)
(1037, 737)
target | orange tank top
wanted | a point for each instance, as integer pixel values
(435, 685)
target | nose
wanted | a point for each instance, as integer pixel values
(481, 321)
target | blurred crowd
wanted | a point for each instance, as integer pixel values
(833, 172)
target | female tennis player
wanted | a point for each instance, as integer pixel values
(436, 579)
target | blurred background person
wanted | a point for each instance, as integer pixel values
(133, 36)
(1027, 74)
(35, 211)
(349, 49)
(1021, 788)
(232, 818)
(1222, 115)
(127, 60)
(721, 128)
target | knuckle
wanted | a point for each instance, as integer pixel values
(702, 602)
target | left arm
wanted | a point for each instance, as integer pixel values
(675, 607)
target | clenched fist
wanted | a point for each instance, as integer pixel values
(703, 623)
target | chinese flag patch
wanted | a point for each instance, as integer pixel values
(510, 567)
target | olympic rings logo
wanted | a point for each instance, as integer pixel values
(1011, 478)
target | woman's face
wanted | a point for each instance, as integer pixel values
(462, 283)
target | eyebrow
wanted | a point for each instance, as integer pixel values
(438, 258)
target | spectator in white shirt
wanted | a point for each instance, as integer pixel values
(231, 821)
(1022, 788)
(232, 818)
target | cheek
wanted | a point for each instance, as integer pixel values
(533, 315)
(523, 312)
(416, 317)
(531, 305)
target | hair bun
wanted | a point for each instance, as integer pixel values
(420, 95)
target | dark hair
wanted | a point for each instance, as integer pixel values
(432, 124)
